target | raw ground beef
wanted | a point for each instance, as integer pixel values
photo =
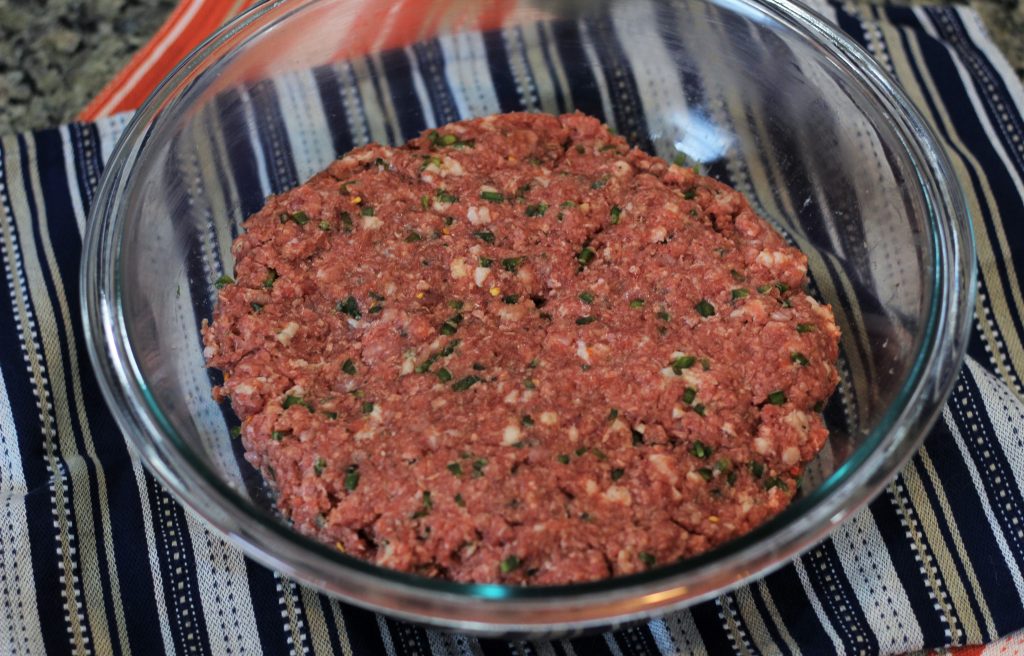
(517, 350)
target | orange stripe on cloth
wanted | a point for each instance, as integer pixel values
(378, 26)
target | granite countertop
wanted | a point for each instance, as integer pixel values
(55, 55)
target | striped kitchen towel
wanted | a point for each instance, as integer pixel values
(93, 545)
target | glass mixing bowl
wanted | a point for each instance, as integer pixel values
(764, 94)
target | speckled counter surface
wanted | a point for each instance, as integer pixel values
(56, 54)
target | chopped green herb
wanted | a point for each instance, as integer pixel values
(647, 559)
(346, 221)
(782, 287)
(775, 481)
(375, 308)
(459, 501)
(704, 308)
(683, 362)
(737, 276)
(538, 209)
(757, 469)
(529, 384)
(699, 409)
(690, 194)
(331, 415)
(567, 204)
(424, 366)
(512, 264)
(599, 454)
(290, 400)
(444, 375)
(585, 256)
(763, 289)
(705, 364)
(325, 226)
(268, 282)
(412, 237)
(510, 563)
(679, 159)
(235, 431)
(350, 307)
(428, 505)
(351, 477)
(493, 196)
(451, 325)
(638, 437)
(300, 218)
(223, 281)
(599, 183)
(663, 315)
(367, 407)
(613, 414)
(740, 293)
(510, 299)
(805, 327)
(615, 213)
(730, 478)
(723, 465)
(580, 451)
(689, 394)
(534, 363)
(617, 473)
(582, 321)
(465, 383)
(367, 210)
(455, 468)
(319, 465)
(450, 347)
(799, 358)
(636, 303)
(486, 262)
(700, 450)
(256, 307)
(705, 473)
(563, 458)
(446, 197)
(485, 235)
(425, 201)
(526, 420)
(478, 467)
(587, 297)
(778, 397)
(478, 366)
(277, 436)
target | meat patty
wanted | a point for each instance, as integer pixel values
(517, 350)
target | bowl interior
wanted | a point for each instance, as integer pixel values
(726, 85)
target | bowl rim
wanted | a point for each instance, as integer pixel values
(493, 609)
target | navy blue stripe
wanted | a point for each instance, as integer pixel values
(590, 644)
(240, 153)
(404, 98)
(636, 641)
(794, 607)
(977, 533)
(408, 638)
(584, 93)
(766, 616)
(562, 101)
(363, 634)
(430, 60)
(900, 547)
(829, 581)
(277, 151)
(329, 90)
(267, 608)
(709, 626)
(509, 100)
(88, 163)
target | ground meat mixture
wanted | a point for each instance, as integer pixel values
(517, 350)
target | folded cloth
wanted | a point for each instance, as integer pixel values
(89, 541)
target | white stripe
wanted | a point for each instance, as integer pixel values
(223, 593)
(681, 630)
(420, 86)
(594, 63)
(20, 625)
(305, 123)
(979, 35)
(254, 140)
(468, 75)
(71, 171)
(385, 635)
(819, 611)
(372, 110)
(1006, 414)
(143, 67)
(879, 590)
(613, 646)
(153, 554)
(110, 130)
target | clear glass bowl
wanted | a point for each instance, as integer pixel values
(763, 93)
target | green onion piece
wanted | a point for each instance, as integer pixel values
(647, 559)
(455, 304)
(508, 564)
(425, 201)
(277, 436)
(636, 303)
(536, 210)
(587, 297)
(740, 293)
(268, 282)
(325, 226)
(319, 465)
(689, 194)
(346, 221)
(351, 477)
(223, 281)
(736, 275)
(479, 367)
(486, 262)
(782, 287)
(689, 394)
(413, 237)
(512, 264)
(465, 383)
(778, 397)
(448, 139)
(585, 255)
(663, 315)
(510, 299)
(367, 211)
(700, 450)
(567, 204)
(704, 308)
(582, 450)
(478, 467)
(459, 501)
(290, 400)
(529, 384)
(582, 321)
(705, 364)
(805, 327)
(775, 481)
(367, 407)
(599, 183)
(679, 159)
(757, 469)
(563, 458)
(613, 414)
(493, 196)
(799, 358)
(615, 213)
(299, 217)
(699, 409)
(450, 347)
(446, 197)
(350, 307)
(683, 362)
(723, 465)
(256, 307)
(705, 473)
(485, 235)
(617, 473)
(526, 420)
(455, 468)
(235, 431)
(444, 375)
(331, 415)
(763, 289)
